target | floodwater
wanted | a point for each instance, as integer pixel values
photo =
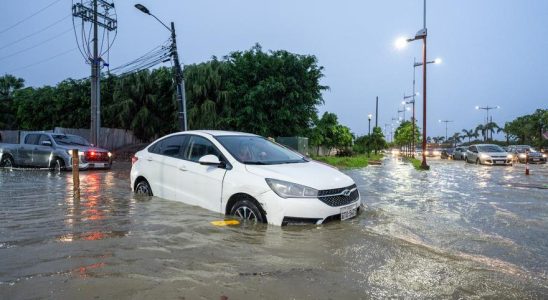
(457, 231)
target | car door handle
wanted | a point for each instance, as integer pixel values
(182, 168)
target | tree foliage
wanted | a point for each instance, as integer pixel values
(268, 93)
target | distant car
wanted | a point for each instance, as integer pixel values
(447, 153)
(460, 153)
(433, 152)
(488, 154)
(519, 153)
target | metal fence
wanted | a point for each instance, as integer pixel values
(109, 138)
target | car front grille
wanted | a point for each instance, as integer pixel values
(335, 197)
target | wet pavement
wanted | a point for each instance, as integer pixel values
(457, 231)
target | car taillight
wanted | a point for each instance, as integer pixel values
(134, 159)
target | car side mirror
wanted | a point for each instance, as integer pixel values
(210, 160)
(46, 143)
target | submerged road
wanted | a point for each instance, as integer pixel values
(457, 231)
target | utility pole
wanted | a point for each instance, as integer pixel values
(377, 112)
(445, 121)
(180, 81)
(98, 19)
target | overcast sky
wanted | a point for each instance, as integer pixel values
(495, 52)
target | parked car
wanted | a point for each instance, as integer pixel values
(54, 151)
(243, 175)
(460, 153)
(447, 153)
(488, 154)
(521, 152)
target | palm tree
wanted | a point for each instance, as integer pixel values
(469, 134)
(456, 138)
(490, 128)
(482, 129)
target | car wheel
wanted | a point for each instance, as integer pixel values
(57, 165)
(143, 188)
(7, 162)
(477, 161)
(248, 211)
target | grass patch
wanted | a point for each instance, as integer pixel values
(416, 164)
(349, 162)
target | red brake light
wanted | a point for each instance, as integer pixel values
(134, 159)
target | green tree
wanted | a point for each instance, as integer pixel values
(9, 84)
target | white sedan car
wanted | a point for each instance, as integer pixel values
(243, 175)
(488, 154)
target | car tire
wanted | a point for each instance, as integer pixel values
(7, 162)
(57, 165)
(478, 161)
(143, 188)
(247, 210)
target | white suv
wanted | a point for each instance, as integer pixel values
(243, 175)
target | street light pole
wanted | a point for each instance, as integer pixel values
(177, 70)
(445, 121)
(369, 116)
(487, 109)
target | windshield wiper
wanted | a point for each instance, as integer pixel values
(255, 163)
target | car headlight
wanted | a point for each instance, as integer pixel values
(286, 189)
(80, 153)
(437, 153)
(484, 156)
(109, 154)
(509, 156)
(544, 155)
(522, 155)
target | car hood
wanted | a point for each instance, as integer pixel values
(81, 148)
(312, 174)
(497, 154)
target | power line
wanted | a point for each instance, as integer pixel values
(42, 61)
(35, 33)
(36, 45)
(25, 19)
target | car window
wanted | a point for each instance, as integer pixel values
(31, 139)
(472, 148)
(199, 146)
(172, 146)
(42, 138)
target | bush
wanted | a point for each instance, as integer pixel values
(345, 152)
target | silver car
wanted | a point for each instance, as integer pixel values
(488, 154)
(460, 153)
(522, 152)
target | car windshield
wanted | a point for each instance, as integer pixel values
(70, 140)
(523, 149)
(256, 150)
(490, 148)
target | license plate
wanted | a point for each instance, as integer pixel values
(348, 212)
(500, 162)
(99, 165)
(536, 159)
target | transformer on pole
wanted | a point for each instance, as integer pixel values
(101, 16)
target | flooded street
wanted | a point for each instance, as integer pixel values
(457, 231)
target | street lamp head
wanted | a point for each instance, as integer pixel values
(417, 93)
(477, 107)
(142, 8)
(437, 61)
(369, 116)
(401, 43)
(403, 103)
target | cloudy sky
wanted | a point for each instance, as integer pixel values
(495, 52)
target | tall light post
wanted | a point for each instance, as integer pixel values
(177, 70)
(445, 121)
(413, 117)
(487, 109)
(421, 35)
(369, 116)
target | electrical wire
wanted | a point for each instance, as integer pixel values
(36, 45)
(35, 33)
(27, 18)
(42, 61)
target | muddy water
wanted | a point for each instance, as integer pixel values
(457, 231)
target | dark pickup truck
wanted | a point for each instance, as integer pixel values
(54, 151)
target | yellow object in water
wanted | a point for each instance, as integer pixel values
(226, 222)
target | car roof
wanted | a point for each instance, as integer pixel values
(221, 132)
